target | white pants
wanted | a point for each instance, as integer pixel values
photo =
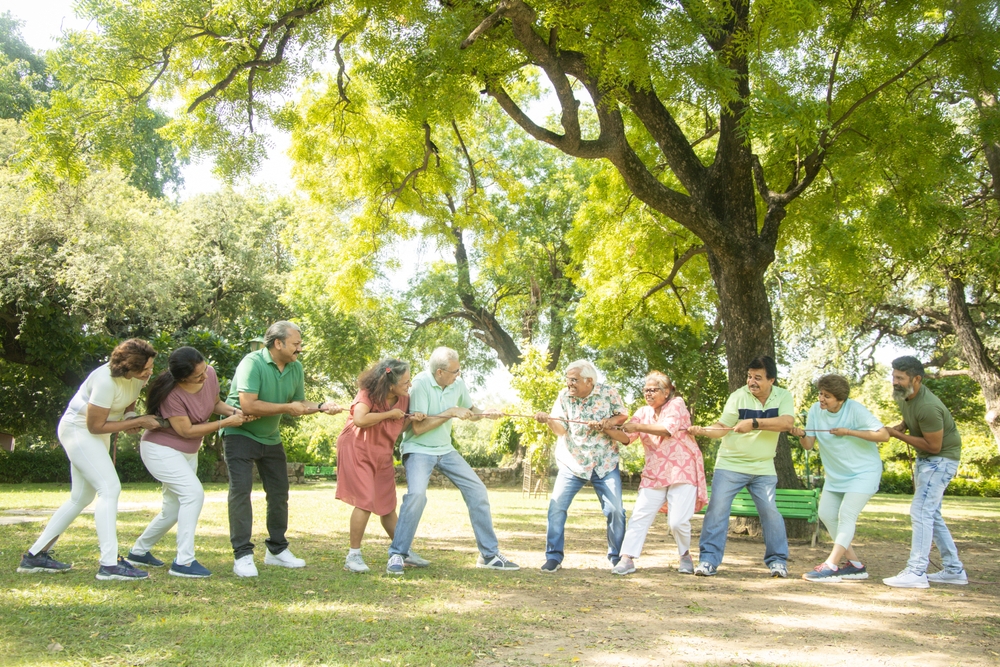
(183, 497)
(680, 498)
(92, 473)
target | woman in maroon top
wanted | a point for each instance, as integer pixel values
(366, 477)
(185, 395)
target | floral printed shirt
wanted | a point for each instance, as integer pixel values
(673, 460)
(582, 450)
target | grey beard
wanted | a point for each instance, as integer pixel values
(900, 394)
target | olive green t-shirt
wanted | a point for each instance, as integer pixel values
(925, 413)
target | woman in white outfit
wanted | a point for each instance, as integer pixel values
(673, 478)
(103, 405)
(186, 395)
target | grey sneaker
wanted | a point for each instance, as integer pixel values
(395, 565)
(778, 570)
(945, 577)
(551, 565)
(413, 560)
(498, 562)
(624, 566)
(123, 571)
(355, 563)
(850, 571)
(705, 570)
(42, 562)
(687, 565)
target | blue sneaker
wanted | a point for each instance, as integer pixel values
(823, 574)
(123, 571)
(849, 571)
(42, 562)
(147, 559)
(395, 565)
(193, 570)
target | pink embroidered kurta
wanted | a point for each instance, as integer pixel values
(673, 460)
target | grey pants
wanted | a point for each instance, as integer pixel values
(241, 454)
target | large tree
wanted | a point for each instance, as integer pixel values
(717, 114)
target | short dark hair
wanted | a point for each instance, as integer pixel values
(835, 385)
(767, 363)
(909, 365)
(130, 356)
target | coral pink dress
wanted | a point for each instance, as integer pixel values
(673, 460)
(366, 478)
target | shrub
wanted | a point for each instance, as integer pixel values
(24, 466)
(207, 458)
(960, 486)
(130, 467)
(894, 481)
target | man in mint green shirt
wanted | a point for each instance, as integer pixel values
(442, 395)
(751, 422)
(268, 383)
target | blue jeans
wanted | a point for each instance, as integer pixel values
(932, 477)
(609, 492)
(715, 528)
(453, 466)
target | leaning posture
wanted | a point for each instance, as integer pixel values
(673, 477)
(103, 405)
(929, 428)
(186, 395)
(269, 383)
(366, 477)
(751, 421)
(846, 433)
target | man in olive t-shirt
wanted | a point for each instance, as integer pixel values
(268, 383)
(929, 428)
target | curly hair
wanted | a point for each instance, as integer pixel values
(380, 377)
(130, 356)
(835, 385)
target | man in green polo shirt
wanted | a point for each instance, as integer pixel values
(750, 424)
(933, 434)
(441, 394)
(268, 383)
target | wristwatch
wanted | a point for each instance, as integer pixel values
(755, 423)
(320, 406)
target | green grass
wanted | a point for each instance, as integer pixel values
(449, 614)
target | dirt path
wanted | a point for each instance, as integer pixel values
(659, 617)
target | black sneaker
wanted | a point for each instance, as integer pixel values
(123, 571)
(551, 565)
(146, 559)
(42, 562)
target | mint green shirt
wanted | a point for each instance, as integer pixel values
(427, 396)
(258, 374)
(752, 453)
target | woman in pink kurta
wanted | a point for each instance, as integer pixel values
(673, 478)
(366, 477)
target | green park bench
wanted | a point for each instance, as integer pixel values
(319, 471)
(311, 471)
(792, 504)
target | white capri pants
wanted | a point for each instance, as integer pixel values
(92, 473)
(183, 497)
(681, 499)
(839, 512)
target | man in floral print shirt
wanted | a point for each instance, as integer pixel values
(585, 452)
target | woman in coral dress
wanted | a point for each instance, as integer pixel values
(366, 477)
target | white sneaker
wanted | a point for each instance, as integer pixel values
(244, 567)
(946, 577)
(285, 559)
(907, 579)
(355, 563)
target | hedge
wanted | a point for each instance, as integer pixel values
(39, 466)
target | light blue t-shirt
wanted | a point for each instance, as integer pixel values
(427, 396)
(851, 465)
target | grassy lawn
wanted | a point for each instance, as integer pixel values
(448, 614)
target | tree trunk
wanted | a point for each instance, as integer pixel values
(982, 368)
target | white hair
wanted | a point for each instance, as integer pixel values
(587, 369)
(440, 358)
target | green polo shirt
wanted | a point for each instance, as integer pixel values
(752, 453)
(427, 396)
(258, 374)
(925, 413)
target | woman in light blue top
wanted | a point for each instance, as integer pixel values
(846, 433)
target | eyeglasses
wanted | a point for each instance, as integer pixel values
(575, 381)
(651, 390)
(454, 372)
